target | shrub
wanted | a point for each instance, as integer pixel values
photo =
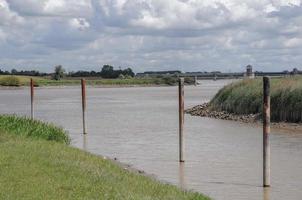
(189, 80)
(121, 76)
(170, 80)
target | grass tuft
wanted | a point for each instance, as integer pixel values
(32, 128)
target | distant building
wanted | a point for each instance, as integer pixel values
(249, 74)
(295, 71)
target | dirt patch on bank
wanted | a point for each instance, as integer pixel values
(204, 110)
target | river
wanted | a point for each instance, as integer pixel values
(139, 126)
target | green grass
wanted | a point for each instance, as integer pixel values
(245, 97)
(32, 128)
(7, 80)
(10, 81)
(35, 168)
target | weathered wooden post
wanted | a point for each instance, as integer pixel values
(181, 118)
(195, 80)
(31, 98)
(266, 132)
(83, 83)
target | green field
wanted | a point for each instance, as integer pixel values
(37, 163)
(7, 80)
(245, 97)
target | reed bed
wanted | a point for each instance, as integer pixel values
(245, 97)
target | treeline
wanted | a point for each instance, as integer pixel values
(23, 72)
(107, 71)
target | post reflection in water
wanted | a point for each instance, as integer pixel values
(266, 193)
(181, 173)
(84, 142)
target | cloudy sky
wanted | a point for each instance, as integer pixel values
(190, 35)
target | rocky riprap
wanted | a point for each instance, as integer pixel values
(204, 110)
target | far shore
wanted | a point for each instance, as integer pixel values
(20, 81)
(88, 85)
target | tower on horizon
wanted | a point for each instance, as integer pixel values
(249, 74)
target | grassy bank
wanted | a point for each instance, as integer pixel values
(245, 97)
(7, 80)
(36, 163)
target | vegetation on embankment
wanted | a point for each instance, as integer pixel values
(26, 127)
(8, 80)
(34, 168)
(245, 97)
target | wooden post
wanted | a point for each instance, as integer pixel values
(195, 80)
(31, 98)
(181, 118)
(83, 83)
(266, 132)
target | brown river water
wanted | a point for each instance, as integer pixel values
(139, 126)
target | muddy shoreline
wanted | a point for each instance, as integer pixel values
(203, 110)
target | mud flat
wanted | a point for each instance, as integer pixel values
(204, 110)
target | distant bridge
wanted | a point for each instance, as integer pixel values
(216, 75)
(235, 75)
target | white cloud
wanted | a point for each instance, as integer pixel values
(55, 8)
(293, 42)
(7, 16)
(79, 23)
(160, 34)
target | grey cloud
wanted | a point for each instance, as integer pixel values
(61, 36)
(49, 8)
(287, 12)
